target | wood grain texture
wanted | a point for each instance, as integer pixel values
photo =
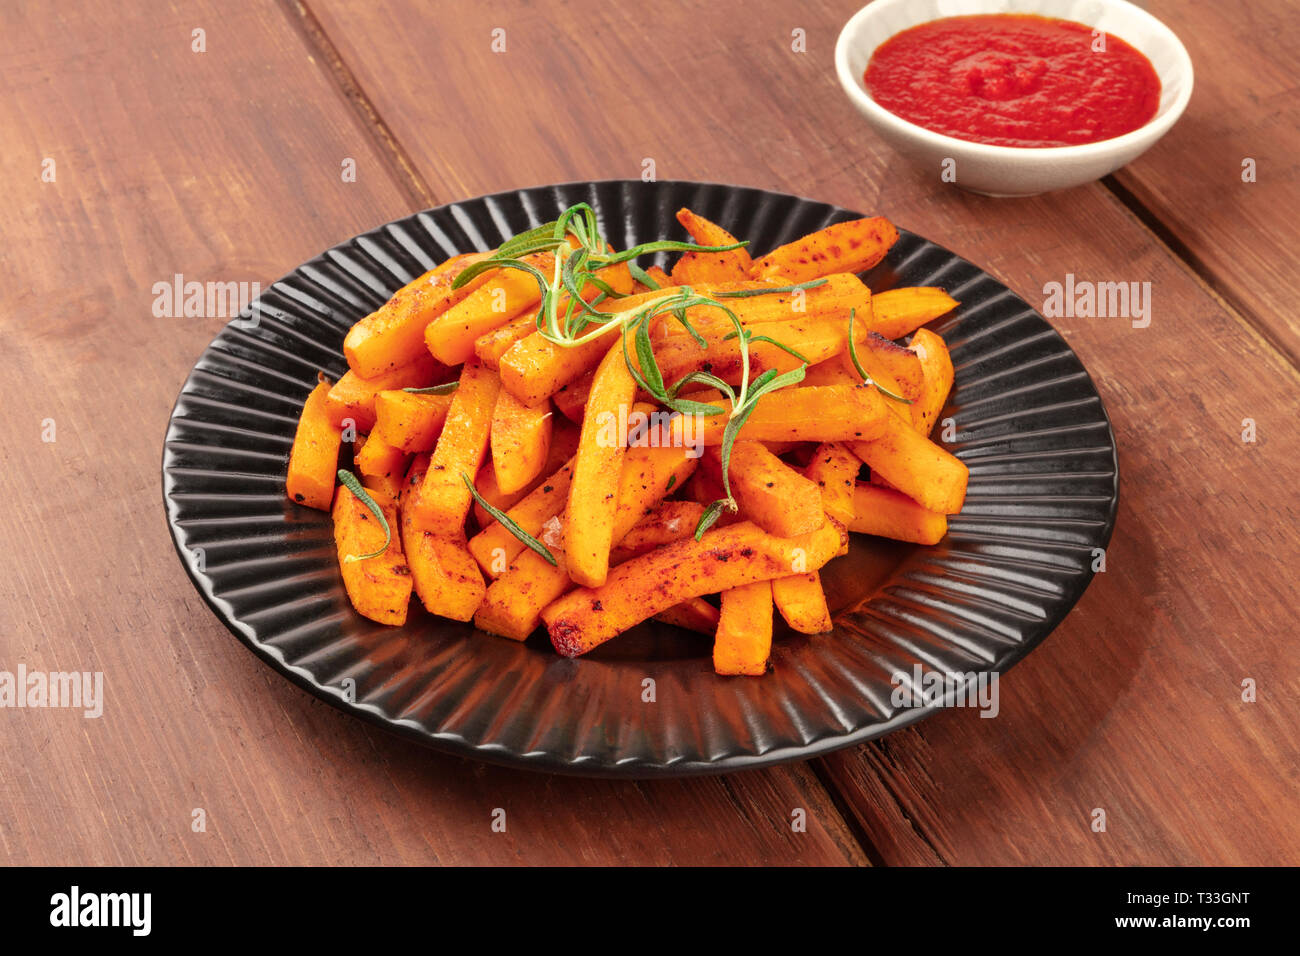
(224, 165)
(1242, 236)
(1134, 705)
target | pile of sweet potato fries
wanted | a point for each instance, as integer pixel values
(547, 434)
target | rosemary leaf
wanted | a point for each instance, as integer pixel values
(680, 316)
(446, 388)
(479, 268)
(525, 538)
(646, 356)
(668, 245)
(515, 247)
(643, 277)
(711, 514)
(635, 369)
(772, 290)
(687, 407)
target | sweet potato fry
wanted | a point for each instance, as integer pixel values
(844, 247)
(593, 493)
(520, 441)
(446, 577)
(353, 397)
(815, 339)
(314, 457)
(619, 278)
(671, 521)
(495, 547)
(802, 602)
(410, 421)
(833, 371)
(744, 636)
(442, 501)
(899, 312)
(890, 514)
(451, 336)
(514, 602)
(768, 491)
(379, 587)
(876, 479)
(381, 466)
(916, 466)
(725, 558)
(836, 297)
(662, 278)
(834, 469)
(490, 346)
(535, 368)
(393, 336)
(564, 445)
(444, 573)
(571, 401)
(819, 413)
(512, 606)
(696, 614)
(705, 489)
(936, 366)
(694, 268)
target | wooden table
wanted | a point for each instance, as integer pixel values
(226, 164)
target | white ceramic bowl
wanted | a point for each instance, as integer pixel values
(1007, 170)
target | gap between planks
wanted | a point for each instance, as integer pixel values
(400, 165)
(1204, 275)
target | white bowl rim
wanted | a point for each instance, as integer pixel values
(1152, 130)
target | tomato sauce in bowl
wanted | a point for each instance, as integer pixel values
(1014, 80)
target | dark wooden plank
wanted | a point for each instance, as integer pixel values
(1241, 235)
(223, 166)
(1134, 704)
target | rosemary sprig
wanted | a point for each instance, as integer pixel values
(575, 268)
(349, 481)
(567, 319)
(506, 522)
(867, 379)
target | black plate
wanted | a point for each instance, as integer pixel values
(1029, 422)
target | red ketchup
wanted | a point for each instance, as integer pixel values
(1014, 80)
